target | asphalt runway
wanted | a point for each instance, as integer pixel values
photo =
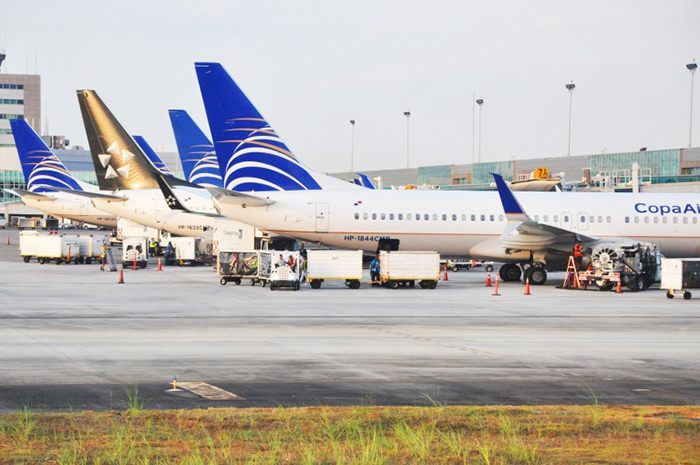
(71, 338)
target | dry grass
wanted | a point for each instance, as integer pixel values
(363, 435)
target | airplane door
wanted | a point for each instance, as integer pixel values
(582, 220)
(321, 216)
(566, 220)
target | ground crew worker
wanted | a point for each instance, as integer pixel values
(302, 251)
(169, 254)
(280, 261)
(578, 254)
(374, 272)
(152, 247)
(292, 264)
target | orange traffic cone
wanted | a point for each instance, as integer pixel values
(527, 286)
(8, 240)
(495, 290)
(160, 265)
(488, 280)
(445, 277)
(619, 287)
(121, 275)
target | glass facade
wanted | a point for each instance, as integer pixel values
(660, 162)
(482, 171)
(435, 175)
(15, 179)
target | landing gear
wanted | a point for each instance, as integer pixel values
(509, 272)
(536, 274)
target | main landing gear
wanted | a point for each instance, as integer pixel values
(536, 273)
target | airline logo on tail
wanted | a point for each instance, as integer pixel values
(196, 151)
(43, 171)
(251, 155)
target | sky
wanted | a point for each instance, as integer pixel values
(312, 66)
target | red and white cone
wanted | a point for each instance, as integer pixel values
(527, 286)
(488, 280)
(495, 290)
(121, 276)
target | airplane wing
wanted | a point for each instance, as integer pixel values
(243, 199)
(523, 233)
(29, 194)
(172, 200)
(95, 195)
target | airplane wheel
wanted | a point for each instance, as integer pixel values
(537, 275)
(510, 272)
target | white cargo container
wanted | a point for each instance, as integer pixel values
(399, 268)
(334, 264)
(192, 250)
(57, 247)
(126, 228)
(680, 274)
(28, 244)
(91, 246)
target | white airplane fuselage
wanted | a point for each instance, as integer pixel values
(73, 207)
(148, 207)
(459, 223)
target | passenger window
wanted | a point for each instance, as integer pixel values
(566, 218)
(491, 217)
(500, 217)
(592, 219)
(627, 219)
(383, 216)
(444, 217)
(665, 219)
(473, 217)
(364, 216)
(357, 216)
(556, 218)
(636, 219)
(546, 218)
(417, 216)
(391, 216)
(600, 219)
(656, 219)
(583, 219)
(400, 216)
(483, 217)
(646, 219)
(685, 220)
(675, 220)
(426, 217)
(537, 218)
(374, 216)
(454, 217)
(464, 217)
(695, 220)
(435, 217)
(409, 216)
(608, 219)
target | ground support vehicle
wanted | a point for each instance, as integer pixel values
(404, 269)
(47, 247)
(634, 265)
(91, 246)
(193, 250)
(236, 265)
(135, 252)
(680, 274)
(322, 265)
(285, 276)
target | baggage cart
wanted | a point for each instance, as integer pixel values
(285, 273)
(404, 269)
(58, 248)
(236, 265)
(322, 265)
(680, 274)
(91, 246)
(193, 250)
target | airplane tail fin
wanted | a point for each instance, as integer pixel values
(42, 169)
(196, 151)
(119, 161)
(251, 155)
(152, 156)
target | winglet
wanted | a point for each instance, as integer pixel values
(511, 206)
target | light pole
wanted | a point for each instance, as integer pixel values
(691, 67)
(480, 102)
(407, 114)
(352, 146)
(473, 128)
(571, 88)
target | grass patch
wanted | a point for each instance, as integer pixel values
(362, 435)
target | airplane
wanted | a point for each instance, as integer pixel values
(152, 156)
(127, 179)
(196, 151)
(534, 233)
(44, 173)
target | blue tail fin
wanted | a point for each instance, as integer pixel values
(152, 155)
(196, 151)
(364, 181)
(251, 155)
(42, 169)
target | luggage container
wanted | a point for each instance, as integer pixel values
(680, 274)
(57, 247)
(91, 246)
(193, 250)
(285, 273)
(237, 265)
(135, 248)
(401, 269)
(322, 265)
(28, 244)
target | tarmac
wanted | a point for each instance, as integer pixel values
(71, 338)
